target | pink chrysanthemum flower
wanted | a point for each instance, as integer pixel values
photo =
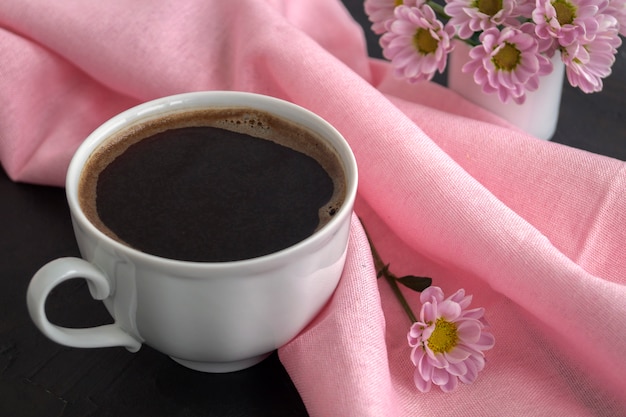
(380, 11)
(508, 63)
(448, 341)
(617, 9)
(417, 43)
(567, 20)
(587, 63)
(470, 16)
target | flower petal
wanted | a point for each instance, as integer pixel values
(449, 310)
(457, 354)
(440, 376)
(436, 359)
(451, 385)
(458, 368)
(421, 383)
(474, 313)
(425, 367)
(431, 293)
(485, 342)
(469, 331)
(428, 312)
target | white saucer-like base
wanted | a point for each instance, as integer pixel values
(222, 367)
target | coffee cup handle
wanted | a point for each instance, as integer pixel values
(53, 274)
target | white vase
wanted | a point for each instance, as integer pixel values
(538, 115)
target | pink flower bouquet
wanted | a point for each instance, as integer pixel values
(511, 40)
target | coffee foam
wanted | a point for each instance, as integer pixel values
(244, 120)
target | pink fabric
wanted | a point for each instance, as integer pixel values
(533, 229)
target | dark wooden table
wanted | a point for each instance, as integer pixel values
(42, 379)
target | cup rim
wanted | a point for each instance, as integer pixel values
(214, 98)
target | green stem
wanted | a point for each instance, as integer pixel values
(383, 270)
(391, 279)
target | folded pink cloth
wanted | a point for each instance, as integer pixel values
(534, 230)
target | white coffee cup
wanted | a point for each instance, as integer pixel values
(212, 317)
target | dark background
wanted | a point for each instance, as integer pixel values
(42, 379)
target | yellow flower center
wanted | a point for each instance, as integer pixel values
(444, 337)
(424, 42)
(507, 58)
(398, 3)
(488, 7)
(565, 11)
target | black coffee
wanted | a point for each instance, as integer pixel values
(213, 186)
